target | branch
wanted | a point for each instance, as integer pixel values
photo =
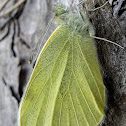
(4, 4)
(11, 9)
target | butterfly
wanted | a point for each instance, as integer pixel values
(66, 86)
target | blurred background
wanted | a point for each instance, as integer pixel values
(22, 22)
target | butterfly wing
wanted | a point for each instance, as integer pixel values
(66, 87)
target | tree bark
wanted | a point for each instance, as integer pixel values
(24, 30)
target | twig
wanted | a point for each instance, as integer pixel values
(97, 7)
(11, 9)
(3, 5)
(8, 31)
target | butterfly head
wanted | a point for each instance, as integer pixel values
(78, 21)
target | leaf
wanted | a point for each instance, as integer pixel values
(66, 87)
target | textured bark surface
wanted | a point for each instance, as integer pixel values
(22, 31)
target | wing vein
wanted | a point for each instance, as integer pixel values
(90, 72)
(69, 89)
(74, 108)
(62, 102)
(85, 99)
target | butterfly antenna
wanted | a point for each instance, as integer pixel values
(107, 41)
(41, 39)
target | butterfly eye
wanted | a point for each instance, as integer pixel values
(87, 29)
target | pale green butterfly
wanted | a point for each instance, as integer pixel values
(66, 87)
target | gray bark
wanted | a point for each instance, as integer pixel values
(15, 50)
